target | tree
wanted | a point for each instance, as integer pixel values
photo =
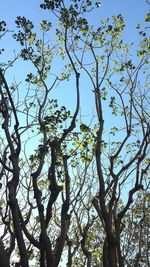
(137, 229)
(63, 198)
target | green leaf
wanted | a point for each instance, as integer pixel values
(138, 26)
(147, 18)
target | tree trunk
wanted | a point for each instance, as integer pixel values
(110, 254)
(4, 262)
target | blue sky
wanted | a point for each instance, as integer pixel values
(133, 12)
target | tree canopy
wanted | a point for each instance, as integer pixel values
(74, 188)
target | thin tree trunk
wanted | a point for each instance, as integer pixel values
(89, 260)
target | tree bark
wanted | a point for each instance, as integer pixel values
(4, 262)
(110, 254)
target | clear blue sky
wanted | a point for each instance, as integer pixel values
(133, 12)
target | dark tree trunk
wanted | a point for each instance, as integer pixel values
(4, 262)
(110, 252)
